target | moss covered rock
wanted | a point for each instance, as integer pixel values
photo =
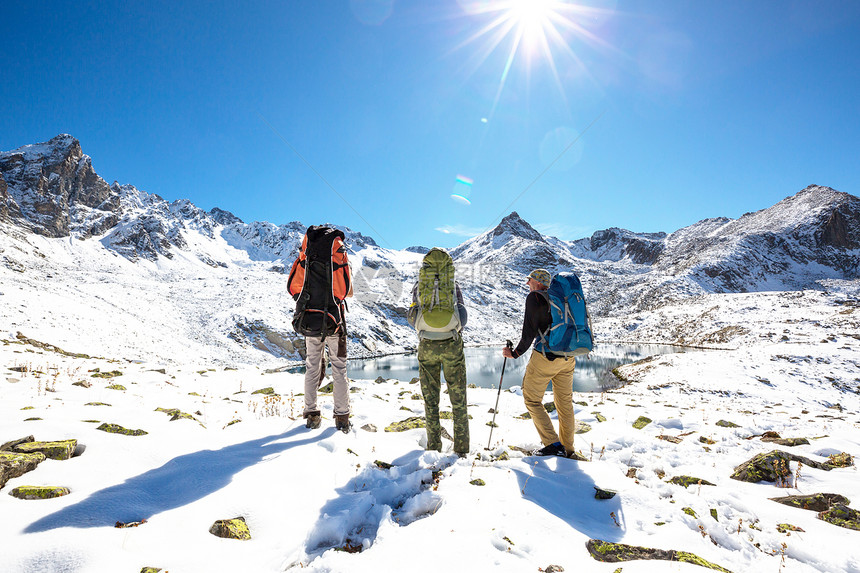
(8, 446)
(150, 570)
(268, 391)
(687, 481)
(727, 424)
(235, 528)
(117, 429)
(82, 383)
(478, 481)
(412, 423)
(600, 417)
(13, 464)
(812, 502)
(61, 450)
(38, 492)
(842, 460)
(771, 466)
(581, 427)
(841, 515)
(96, 404)
(607, 552)
(600, 493)
(111, 374)
(117, 387)
(641, 422)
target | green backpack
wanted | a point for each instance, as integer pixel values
(437, 299)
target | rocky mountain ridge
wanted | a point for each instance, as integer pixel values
(50, 190)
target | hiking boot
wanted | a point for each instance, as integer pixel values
(555, 449)
(313, 420)
(342, 423)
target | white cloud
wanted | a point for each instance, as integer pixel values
(460, 230)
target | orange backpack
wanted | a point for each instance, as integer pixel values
(319, 282)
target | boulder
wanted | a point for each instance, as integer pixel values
(38, 492)
(60, 450)
(841, 515)
(771, 466)
(7, 447)
(14, 465)
(843, 460)
(117, 429)
(600, 493)
(813, 502)
(235, 528)
(412, 423)
(641, 422)
(607, 552)
(687, 481)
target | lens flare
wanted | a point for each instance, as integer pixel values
(536, 31)
(462, 190)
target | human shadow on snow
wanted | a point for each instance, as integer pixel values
(568, 493)
(180, 481)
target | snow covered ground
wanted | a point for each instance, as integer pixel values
(789, 363)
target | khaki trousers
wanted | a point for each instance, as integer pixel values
(315, 372)
(539, 373)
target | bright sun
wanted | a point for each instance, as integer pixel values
(532, 17)
(535, 30)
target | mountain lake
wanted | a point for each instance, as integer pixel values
(484, 366)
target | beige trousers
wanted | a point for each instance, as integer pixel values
(539, 373)
(315, 373)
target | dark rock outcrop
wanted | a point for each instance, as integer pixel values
(53, 184)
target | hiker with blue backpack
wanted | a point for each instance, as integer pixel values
(438, 314)
(556, 320)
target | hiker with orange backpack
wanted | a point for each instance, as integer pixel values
(320, 280)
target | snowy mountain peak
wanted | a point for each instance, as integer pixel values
(516, 226)
(223, 217)
(52, 187)
(60, 147)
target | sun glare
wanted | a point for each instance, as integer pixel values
(531, 16)
(538, 32)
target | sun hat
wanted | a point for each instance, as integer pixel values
(542, 276)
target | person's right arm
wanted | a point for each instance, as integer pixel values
(530, 325)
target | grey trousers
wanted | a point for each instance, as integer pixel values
(315, 373)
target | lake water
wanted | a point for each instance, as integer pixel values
(484, 366)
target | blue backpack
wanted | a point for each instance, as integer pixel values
(569, 333)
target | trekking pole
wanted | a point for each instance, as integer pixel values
(509, 345)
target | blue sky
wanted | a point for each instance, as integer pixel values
(689, 109)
